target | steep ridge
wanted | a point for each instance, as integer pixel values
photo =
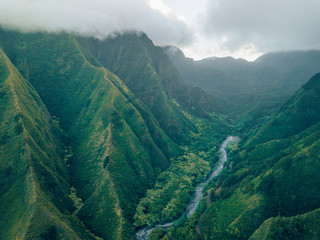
(116, 145)
(305, 226)
(151, 76)
(271, 176)
(214, 80)
(115, 142)
(299, 113)
(34, 188)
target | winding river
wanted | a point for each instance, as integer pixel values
(143, 234)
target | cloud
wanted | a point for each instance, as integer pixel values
(268, 25)
(241, 28)
(99, 18)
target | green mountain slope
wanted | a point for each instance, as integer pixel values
(274, 173)
(115, 143)
(298, 114)
(305, 226)
(34, 188)
(117, 146)
(115, 156)
(151, 76)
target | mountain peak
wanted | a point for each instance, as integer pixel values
(174, 51)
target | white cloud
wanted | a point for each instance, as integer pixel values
(159, 5)
(268, 25)
(202, 28)
(204, 48)
(94, 17)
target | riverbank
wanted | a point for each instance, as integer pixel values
(144, 233)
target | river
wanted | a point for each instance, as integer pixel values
(143, 234)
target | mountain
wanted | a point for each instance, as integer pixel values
(153, 78)
(249, 90)
(34, 180)
(112, 144)
(269, 188)
(303, 226)
(101, 130)
(195, 73)
(299, 113)
(273, 180)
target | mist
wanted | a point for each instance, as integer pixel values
(269, 25)
(98, 18)
(242, 28)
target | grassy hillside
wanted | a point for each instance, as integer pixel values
(115, 143)
(116, 146)
(305, 226)
(274, 174)
(299, 113)
(151, 76)
(34, 188)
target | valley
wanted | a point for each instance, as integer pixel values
(122, 139)
(144, 233)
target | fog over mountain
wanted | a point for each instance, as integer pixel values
(96, 18)
(245, 28)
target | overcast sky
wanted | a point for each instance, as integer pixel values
(202, 28)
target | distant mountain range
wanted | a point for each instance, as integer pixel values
(249, 90)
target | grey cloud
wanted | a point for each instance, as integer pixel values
(99, 18)
(270, 25)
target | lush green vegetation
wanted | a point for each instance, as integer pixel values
(184, 230)
(190, 228)
(151, 76)
(299, 113)
(305, 226)
(274, 173)
(115, 145)
(172, 191)
(167, 200)
(272, 180)
(34, 180)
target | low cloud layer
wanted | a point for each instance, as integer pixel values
(203, 28)
(94, 17)
(269, 25)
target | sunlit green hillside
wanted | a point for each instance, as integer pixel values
(34, 178)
